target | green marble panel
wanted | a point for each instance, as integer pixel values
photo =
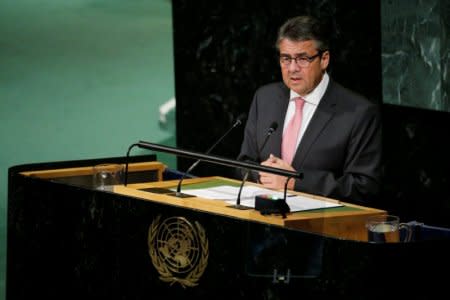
(414, 55)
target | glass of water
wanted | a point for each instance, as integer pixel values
(386, 229)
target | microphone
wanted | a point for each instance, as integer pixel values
(273, 127)
(239, 121)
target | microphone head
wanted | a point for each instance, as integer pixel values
(273, 127)
(240, 119)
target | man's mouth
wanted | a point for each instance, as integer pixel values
(295, 79)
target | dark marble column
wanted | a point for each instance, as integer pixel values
(415, 60)
(445, 53)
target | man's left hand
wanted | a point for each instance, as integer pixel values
(276, 181)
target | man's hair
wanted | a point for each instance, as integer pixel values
(304, 28)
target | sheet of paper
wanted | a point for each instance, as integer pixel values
(229, 194)
(296, 203)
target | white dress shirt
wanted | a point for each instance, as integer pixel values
(311, 101)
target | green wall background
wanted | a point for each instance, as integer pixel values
(81, 79)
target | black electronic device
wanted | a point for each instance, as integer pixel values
(270, 204)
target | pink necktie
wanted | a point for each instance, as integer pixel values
(289, 143)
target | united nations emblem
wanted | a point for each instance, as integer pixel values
(178, 249)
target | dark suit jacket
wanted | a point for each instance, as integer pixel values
(340, 153)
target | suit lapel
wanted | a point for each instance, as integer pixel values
(323, 114)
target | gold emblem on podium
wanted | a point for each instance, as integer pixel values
(178, 249)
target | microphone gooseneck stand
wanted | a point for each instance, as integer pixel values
(125, 179)
(273, 127)
(239, 121)
(238, 200)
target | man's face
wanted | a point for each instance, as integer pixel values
(302, 80)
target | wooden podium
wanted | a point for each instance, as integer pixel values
(347, 222)
(68, 240)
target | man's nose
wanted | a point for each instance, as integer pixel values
(293, 66)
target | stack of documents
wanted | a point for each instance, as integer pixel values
(229, 194)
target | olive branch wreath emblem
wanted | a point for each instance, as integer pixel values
(191, 279)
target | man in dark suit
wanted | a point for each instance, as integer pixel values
(337, 145)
